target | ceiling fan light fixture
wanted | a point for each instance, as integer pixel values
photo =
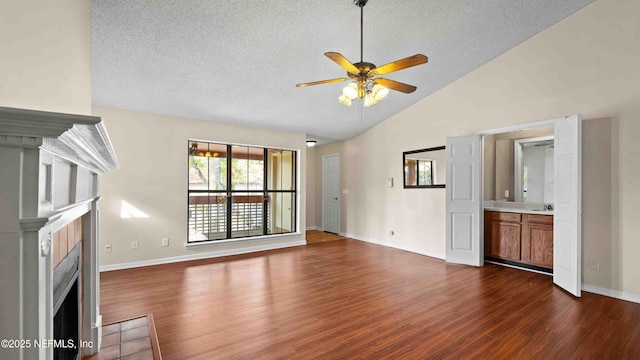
(344, 100)
(351, 91)
(379, 92)
(370, 100)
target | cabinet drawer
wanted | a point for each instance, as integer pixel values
(506, 216)
(540, 219)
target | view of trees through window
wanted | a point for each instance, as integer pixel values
(228, 194)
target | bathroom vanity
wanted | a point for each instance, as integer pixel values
(519, 234)
(519, 175)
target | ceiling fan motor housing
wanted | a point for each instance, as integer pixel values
(360, 3)
(364, 68)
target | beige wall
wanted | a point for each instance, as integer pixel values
(152, 151)
(311, 189)
(585, 64)
(46, 55)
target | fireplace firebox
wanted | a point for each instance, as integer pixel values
(66, 297)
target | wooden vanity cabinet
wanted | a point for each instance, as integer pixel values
(537, 240)
(524, 238)
(504, 239)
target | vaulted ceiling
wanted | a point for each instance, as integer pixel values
(238, 61)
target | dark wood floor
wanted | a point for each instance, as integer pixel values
(315, 236)
(347, 299)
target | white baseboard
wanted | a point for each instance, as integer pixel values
(199, 256)
(313, 228)
(611, 293)
(372, 241)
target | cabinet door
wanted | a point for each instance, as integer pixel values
(541, 245)
(505, 240)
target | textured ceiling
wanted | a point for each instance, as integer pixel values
(238, 61)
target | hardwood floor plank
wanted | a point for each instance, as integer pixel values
(344, 298)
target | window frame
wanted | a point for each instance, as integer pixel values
(229, 193)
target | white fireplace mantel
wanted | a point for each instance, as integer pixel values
(49, 169)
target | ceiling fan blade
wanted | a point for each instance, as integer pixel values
(342, 61)
(399, 64)
(395, 85)
(321, 82)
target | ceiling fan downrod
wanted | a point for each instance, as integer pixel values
(361, 4)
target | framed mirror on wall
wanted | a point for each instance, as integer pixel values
(424, 168)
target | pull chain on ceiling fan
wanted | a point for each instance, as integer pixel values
(365, 85)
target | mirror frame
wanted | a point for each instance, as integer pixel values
(404, 178)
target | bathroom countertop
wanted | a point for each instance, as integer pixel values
(517, 207)
(521, 211)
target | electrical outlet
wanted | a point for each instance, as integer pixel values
(593, 265)
(134, 244)
(107, 248)
(506, 194)
(165, 241)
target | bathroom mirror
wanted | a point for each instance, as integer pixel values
(533, 169)
(424, 168)
(504, 175)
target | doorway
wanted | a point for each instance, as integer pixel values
(465, 224)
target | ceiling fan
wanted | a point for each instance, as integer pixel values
(365, 83)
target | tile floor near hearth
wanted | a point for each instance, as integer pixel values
(126, 340)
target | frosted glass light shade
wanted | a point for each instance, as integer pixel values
(350, 91)
(344, 100)
(369, 100)
(379, 92)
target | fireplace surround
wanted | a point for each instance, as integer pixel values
(50, 165)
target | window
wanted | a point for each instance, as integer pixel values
(240, 191)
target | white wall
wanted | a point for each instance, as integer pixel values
(585, 64)
(152, 150)
(46, 55)
(310, 213)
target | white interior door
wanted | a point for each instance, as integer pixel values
(464, 201)
(567, 219)
(331, 193)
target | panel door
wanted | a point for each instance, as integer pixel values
(464, 220)
(567, 224)
(331, 193)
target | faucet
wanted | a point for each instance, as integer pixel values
(548, 207)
